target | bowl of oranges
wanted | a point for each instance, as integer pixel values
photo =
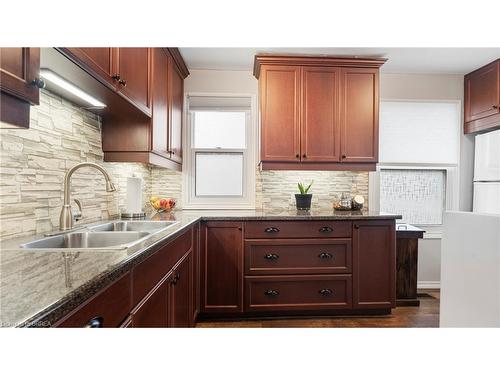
(162, 204)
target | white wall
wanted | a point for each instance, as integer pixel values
(434, 87)
(224, 81)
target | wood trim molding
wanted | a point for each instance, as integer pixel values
(179, 61)
(141, 157)
(294, 166)
(487, 123)
(314, 60)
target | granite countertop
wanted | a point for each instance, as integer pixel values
(38, 287)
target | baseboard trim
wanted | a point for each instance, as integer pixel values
(428, 285)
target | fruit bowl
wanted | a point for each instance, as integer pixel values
(162, 204)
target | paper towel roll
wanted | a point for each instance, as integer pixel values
(134, 195)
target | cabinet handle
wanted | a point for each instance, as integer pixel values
(304, 156)
(176, 278)
(271, 256)
(94, 322)
(325, 256)
(122, 82)
(325, 292)
(325, 229)
(356, 226)
(297, 156)
(116, 77)
(38, 82)
(495, 107)
(271, 293)
(343, 156)
(271, 230)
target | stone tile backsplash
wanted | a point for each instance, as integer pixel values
(277, 189)
(33, 163)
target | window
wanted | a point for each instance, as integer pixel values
(417, 175)
(220, 169)
(418, 195)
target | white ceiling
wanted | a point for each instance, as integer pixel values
(401, 60)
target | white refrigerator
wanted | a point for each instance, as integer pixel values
(487, 173)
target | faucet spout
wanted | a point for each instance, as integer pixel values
(66, 217)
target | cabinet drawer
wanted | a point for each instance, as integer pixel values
(149, 272)
(298, 256)
(298, 229)
(107, 309)
(320, 292)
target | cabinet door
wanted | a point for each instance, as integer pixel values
(134, 68)
(99, 61)
(280, 113)
(374, 264)
(181, 294)
(153, 310)
(160, 104)
(359, 124)
(320, 136)
(195, 306)
(176, 101)
(482, 92)
(18, 68)
(222, 267)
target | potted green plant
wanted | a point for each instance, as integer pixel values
(303, 200)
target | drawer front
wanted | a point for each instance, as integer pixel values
(149, 272)
(320, 292)
(298, 229)
(298, 256)
(107, 309)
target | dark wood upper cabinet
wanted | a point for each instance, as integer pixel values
(175, 111)
(19, 72)
(482, 98)
(318, 113)
(99, 60)
(374, 264)
(134, 75)
(360, 104)
(157, 139)
(320, 139)
(222, 267)
(280, 106)
(160, 103)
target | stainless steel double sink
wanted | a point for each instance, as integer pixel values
(113, 235)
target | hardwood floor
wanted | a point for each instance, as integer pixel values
(426, 315)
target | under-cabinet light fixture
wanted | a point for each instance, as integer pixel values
(52, 77)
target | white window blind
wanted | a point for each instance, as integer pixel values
(419, 132)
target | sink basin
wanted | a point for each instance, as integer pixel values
(88, 240)
(134, 226)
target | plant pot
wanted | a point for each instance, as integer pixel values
(303, 201)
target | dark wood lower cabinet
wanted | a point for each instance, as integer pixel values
(215, 269)
(222, 267)
(153, 311)
(374, 266)
(304, 292)
(181, 289)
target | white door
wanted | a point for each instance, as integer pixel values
(486, 197)
(487, 157)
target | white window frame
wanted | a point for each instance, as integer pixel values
(247, 200)
(452, 173)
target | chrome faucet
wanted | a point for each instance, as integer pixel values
(67, 217)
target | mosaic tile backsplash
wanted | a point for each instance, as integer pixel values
(33, 163)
